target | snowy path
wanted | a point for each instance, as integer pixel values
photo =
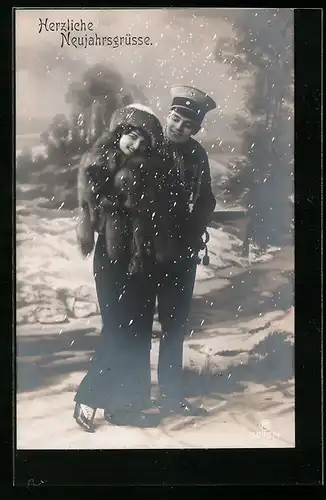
(238, 364)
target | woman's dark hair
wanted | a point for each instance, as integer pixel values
(110, 140)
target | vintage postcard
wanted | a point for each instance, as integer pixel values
(155, 228)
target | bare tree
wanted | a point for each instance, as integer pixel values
(101, 91)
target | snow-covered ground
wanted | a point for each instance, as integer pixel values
(244, 380)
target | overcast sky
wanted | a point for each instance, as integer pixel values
(182, 52)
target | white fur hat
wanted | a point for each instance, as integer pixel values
(141, 107)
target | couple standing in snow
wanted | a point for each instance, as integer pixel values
(135, 190)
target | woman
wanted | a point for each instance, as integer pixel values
(125, 216)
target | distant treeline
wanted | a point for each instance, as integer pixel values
(31, 125)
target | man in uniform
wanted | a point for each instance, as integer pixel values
(191, 205)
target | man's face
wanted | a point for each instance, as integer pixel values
(133, 142)
(178, 128)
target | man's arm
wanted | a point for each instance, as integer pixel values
(205, 202)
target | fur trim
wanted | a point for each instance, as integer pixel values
(141, 107)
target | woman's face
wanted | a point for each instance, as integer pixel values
(178, 128)
(133, 142)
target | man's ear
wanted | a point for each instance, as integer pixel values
(196, 128)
